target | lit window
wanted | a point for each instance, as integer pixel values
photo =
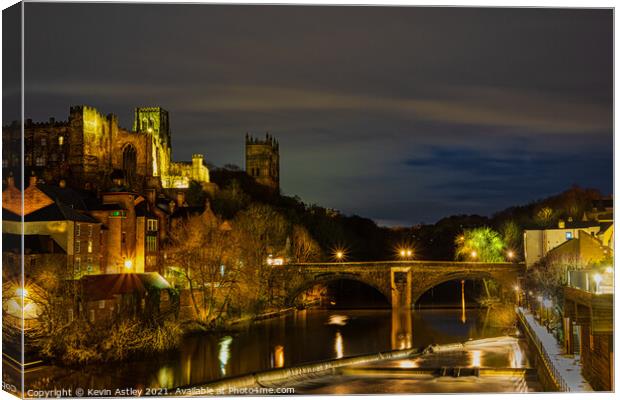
(151, 243)
(78, 229)
(78, 263)
(92, 316)
(39, 161)
(151, 225)
(61, 140)
(569, 235)
(90, 246)
(77, 246)
(101, 303)
(90, 230)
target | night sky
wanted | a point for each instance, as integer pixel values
(403, 115)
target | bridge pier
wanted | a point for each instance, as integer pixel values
(400, 283)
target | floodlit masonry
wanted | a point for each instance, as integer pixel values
(90, 151)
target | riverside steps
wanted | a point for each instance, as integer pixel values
(557, 371)
(442, 366)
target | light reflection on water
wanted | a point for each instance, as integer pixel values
(338, 345)
(299, 337)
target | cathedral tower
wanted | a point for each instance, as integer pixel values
(262, 160)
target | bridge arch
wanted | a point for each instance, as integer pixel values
(327, 278)
(421, 289)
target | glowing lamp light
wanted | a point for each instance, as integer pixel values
(510, 254)
(339, 255)
(517, 288)
(598, 279)
(409, 253)
(539, 298)
(548, 303)
(402, 253)
(474, 254)
(21, 292)
(128, 264)
(609, 270)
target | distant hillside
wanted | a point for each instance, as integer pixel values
(364, 240)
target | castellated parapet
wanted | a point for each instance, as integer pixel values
(262, 160)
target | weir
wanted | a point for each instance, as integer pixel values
(369, 366)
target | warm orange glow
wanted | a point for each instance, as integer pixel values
(128, 264)
(474, 254)
(278, 356)
(510, 254)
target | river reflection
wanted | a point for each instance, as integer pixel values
(299, 337)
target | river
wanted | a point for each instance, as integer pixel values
(292, 339)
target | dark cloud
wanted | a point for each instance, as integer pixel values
(399, 114)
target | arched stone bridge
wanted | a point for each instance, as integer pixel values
(401, 282)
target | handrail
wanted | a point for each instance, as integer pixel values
(547, 362)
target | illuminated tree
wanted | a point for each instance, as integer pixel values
(544, 216)
(480, 244)
(305, 248)
(260, 231)
(204, 254)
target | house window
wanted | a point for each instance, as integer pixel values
(569, 235)
(92, 316)
(151, 243)
(90, 230)
(90, 246)
(61, 140)
(77, 246)
(78, 229)
(102, 304)
(151, 225)
(78, 264)
(39, 161)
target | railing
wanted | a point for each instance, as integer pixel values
(558, 379)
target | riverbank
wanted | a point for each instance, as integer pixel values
(560, 370)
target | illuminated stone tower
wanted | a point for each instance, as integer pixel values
(154, 121)
(262, 160)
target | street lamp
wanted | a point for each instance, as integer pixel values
(128, 264)
(474, 254)
(405, 253)
(510, 254)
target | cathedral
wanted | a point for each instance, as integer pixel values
(91, 151)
